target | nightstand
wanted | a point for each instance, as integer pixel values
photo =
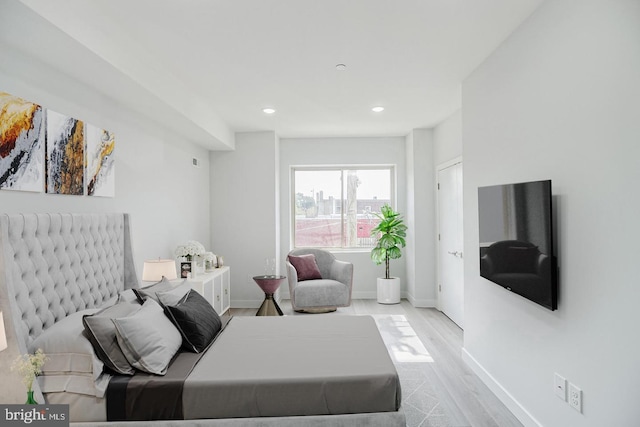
(215, 287)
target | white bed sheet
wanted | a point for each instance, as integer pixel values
(82, 407)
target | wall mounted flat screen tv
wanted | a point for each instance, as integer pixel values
(516, 240)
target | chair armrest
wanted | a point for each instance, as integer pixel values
(292, 277)
(342, 272)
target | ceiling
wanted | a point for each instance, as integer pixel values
(219, 63)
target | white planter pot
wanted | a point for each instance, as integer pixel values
(389, 290)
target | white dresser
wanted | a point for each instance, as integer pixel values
(215, 287)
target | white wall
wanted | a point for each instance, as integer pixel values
(167, 198)
(447, 139)
(244, 207)
(410, 218)
(560, 100)
(420, 215)
(344, 151)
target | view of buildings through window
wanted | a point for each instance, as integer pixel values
(334, 207)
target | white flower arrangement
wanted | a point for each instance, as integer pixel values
(29, 366)
(190, 250)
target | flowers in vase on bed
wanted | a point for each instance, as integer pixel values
(29, 366)
(190, 250)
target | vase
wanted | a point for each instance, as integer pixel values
(30, 399)
(388, 290)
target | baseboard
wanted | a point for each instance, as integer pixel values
(364, 295)
(423, 303)
(356, 295)
(248, 303)
(505, 397)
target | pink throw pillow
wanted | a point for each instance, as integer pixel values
(306, 267)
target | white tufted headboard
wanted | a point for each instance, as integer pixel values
(52, 265)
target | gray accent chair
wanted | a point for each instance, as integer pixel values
(321, 295)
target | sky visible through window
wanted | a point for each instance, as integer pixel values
(373, 183)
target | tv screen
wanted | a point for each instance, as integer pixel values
(516, 240)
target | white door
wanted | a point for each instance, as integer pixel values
(450, 264)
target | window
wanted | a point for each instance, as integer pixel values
(334, 206)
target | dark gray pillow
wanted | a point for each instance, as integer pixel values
(196, 320)
(101, 332)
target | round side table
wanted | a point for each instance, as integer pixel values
(269, 285)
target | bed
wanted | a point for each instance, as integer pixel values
(283, 371)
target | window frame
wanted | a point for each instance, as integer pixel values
(392, 168)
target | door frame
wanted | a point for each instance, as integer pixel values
(440, 167)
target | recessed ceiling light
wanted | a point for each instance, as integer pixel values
(268, 110)
(377, 109)
(341, 67)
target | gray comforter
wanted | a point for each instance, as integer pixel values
(298, 365)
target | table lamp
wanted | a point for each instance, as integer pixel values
(3, 336)
(155, 269)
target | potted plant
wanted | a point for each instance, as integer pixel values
(390, 234)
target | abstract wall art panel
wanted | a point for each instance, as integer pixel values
(100, 162)
(21, 144)
(65, 154)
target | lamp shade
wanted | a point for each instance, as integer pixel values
(3, 335)
(154, 270)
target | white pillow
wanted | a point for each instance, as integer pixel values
(67, 348)
(148, 339)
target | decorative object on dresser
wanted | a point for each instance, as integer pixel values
(318, 282)
(185, 269)
(155, 269)
(192, 252)
(210, 261)
(215, 287)
(390, 234)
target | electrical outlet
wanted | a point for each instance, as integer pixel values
(575, 397)
(560, 386)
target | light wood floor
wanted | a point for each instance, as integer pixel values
(465, 399)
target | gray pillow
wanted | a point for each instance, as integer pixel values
(127, 296)
(164, 285)
(148, 339)
(173, 296)
(101, 332)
